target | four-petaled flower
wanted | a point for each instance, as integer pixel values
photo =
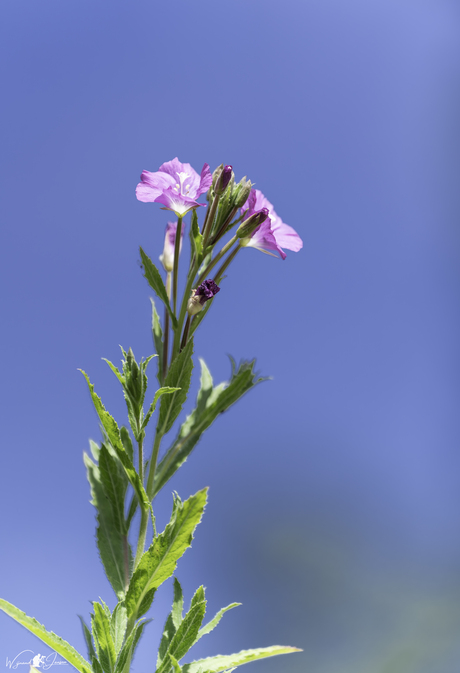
(175, 185)
(273, 234)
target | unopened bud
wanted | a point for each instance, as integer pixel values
(224, 179)
(216, 175)
(201, 295)
(167, 257)
(242, 191)
(248, 227)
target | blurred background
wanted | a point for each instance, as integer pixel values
(334, 512)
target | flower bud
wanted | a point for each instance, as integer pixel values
(201, 295)
(167, 258)
(241, 193)
(248, 227)
(216, 175)
(224, 178)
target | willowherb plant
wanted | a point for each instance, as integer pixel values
(122, 478)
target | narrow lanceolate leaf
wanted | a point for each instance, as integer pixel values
(113, 433)
(186, 634)
(178, 604)
(114, 486)
(178, 376)
(222, 662)
(103, 638)
(160, 560)
(88, 639)
(172, 622)
(162, 391)
(48, 637)
(118, 625)
(211, 402)
(111, 540)
(157, 335)
(207, 628)
(154, 279)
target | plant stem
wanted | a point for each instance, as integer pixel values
(223, 228)
(185, 335)
(183, 308)
(216, 259)
(230, 258)
(166, 332)
(153, 464)
(210, 215)
(176, 261)
(140, 450)
(144, 513)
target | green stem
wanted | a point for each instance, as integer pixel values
(183, 309)
(207, 227)
(142, 536)
(230, 258)
(153, 464)
(224, 227)
(166, 332)
(216, 259)
(140, 453)
(185, 335)
(176, 261)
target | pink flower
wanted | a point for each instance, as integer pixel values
(175, 185)
(273, 234)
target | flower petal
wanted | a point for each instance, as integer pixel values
(152, 185)
(183, 175)
(264, 240)
(286, 236)
(176, 202)
(205, 180)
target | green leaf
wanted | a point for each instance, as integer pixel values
(222, 662)
(211, 402)
(111, 428)
(103, 639)
(196, 239)
(187, 632)
(127, 443)
(88, 639)
(111, 541)
(48, 637)
(213, 623)
(178, 604)
(154, 279)
(160, 560)
(161, 391)
(116, 371)
(114, 486)
(157, 334)
(118, 625)
(172, 622)
(178, 376)
(169, 631)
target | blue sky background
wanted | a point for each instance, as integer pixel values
(334, 488)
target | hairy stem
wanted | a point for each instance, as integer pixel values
(176, 261)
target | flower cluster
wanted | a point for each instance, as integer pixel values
(177, 186)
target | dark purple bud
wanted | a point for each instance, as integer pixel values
(224, 179)
(203, 293)
(206, 290)
(249, 226)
